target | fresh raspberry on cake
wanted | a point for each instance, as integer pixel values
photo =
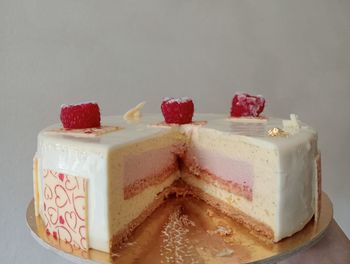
(86, 115)
(177, 111)
(244, 104)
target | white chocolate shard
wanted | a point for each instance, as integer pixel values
(292, 125)
(134, 113)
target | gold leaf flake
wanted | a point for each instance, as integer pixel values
(277, 132)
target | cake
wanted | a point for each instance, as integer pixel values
(93, 185)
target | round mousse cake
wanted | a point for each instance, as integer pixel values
(97, 178)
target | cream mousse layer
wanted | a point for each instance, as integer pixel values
(272, 178)
(138, 172)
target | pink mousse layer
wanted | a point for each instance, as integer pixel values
(148, 168)
(231, 174)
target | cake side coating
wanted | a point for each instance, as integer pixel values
(282, 178)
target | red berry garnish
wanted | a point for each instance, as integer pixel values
(61, 220)
(48, 232)
(244, 104)
(54, 234)
(177, 111)
(79, 116)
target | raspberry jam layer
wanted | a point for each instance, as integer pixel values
(148, 168)
(233, 175)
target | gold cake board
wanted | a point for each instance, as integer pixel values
(209, 237)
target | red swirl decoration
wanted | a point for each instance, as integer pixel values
(65, 202)
(53, 215)
(48, 192)
(62, 197)
(71, 184)
(83, 242)
(64, 234)
(53, 173)
(46, 173)
(71, 220)
(79, 207)
(82, 231)
(46, 221)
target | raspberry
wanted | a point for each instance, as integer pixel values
(177, 111)
(86, 115)
(244, 104)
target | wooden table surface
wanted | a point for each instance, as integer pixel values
(334, 247)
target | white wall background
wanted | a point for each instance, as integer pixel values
(296, 53)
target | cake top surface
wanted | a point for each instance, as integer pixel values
(116, 131)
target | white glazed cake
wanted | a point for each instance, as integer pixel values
(92, 187)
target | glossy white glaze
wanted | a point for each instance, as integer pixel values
(290, 177)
